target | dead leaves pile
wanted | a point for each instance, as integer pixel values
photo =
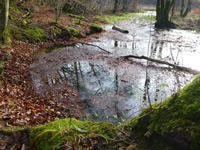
(19, 104)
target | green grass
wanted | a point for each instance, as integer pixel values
(111, 18)
(124, 16)
(141, 16)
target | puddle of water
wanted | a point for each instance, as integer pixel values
(115, 93)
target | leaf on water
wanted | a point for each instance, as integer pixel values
(96, 115)
(163, 85)
(115, 116)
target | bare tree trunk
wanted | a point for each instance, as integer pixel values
(4, 7)
(59, 7)
(183, 11)
(115, 6)
(163, 9)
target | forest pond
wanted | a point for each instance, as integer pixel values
(114, 89)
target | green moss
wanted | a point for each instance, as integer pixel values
(142, 16)
(24, 23)
(76, 16)
(54, 22)
(28, 33)
(96, 28)
(67, 32)
(110, 18)
(1, 68)
(73, 32)
(6, 37)
(77, 21)
(56, 133)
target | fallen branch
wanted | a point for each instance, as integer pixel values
(94, 46)
(119, 29)
(165, 63)
(74, 44)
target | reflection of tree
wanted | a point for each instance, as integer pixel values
(99, 81)
(116, 82)
(146, 88)
(77, 75)
(156, 48)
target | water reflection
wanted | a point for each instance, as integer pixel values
(115, 94)
(180, 44)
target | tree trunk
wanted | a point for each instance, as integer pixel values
(182, 7)
(4, 7)
(187, 10)
(163, 9)
(115, 6)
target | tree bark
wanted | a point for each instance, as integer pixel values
(163, 9)
(4, 7)
(183, 11)
(115, 6)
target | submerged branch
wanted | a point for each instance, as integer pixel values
(165, 63)
(74, 44)
(94, 46)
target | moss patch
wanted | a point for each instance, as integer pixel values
(1, 68)
(28, 33)
(61, 31)
(70, 131)
(6, 37)
(96, 28)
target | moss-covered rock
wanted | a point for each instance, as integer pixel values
(28, 33)
(96, 28)
(71, 131)
(174, 124)
(61, 31)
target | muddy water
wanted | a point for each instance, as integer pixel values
(111, 88)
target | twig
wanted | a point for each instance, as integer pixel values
(141, 116)
(123, 132)
(73, 44)
(94, 46)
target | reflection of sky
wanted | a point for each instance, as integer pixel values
(180, 46)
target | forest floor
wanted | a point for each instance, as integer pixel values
(20, 105)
